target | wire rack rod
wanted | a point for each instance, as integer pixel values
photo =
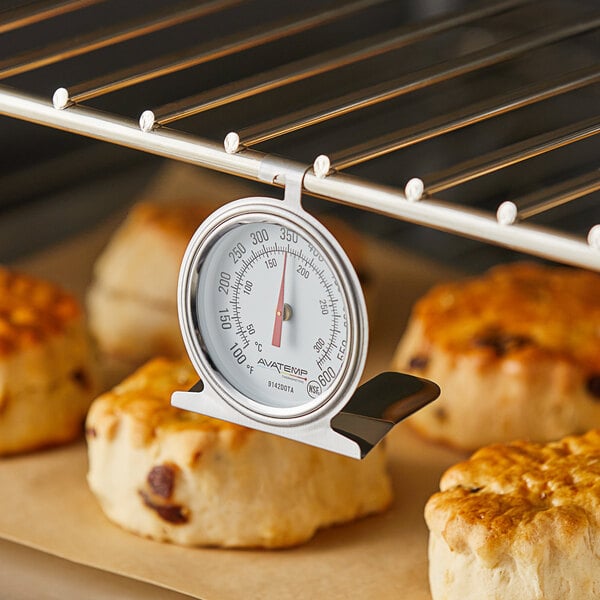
(209, 51)
(64, 49)
(335, 59)
(437, 126)
(543, 200)
(40, 11)
(510, 155)
(338, 187)
(354, 101)
(509, 227)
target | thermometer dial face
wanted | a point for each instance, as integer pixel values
(276, 313)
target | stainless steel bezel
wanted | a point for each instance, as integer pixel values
(259, 209)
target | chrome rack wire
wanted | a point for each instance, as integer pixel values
(312, 103)
(40, 11)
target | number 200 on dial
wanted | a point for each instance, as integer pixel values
(272, 313)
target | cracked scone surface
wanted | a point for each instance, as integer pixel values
(181, 477)
(519, 520)
(515, 351)
(48, 375)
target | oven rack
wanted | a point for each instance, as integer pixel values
(239, 152)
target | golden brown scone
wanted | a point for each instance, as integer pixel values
(516, 353)
(516, 521)
(47, 369)
(132, 302)
(177, 476)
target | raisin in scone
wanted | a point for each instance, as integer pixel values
(181, 477)
(47, 369)
(516, 353)
(518, 520)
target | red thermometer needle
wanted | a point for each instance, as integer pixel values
(276, 341)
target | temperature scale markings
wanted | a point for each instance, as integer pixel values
(310, 261)
(238, 320)
(324, 357)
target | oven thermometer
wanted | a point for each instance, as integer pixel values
(274, 321)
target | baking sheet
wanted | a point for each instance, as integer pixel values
(45, 503)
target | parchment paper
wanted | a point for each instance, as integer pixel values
(45, 502)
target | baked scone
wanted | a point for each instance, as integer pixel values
(47, 370)
(516, 353)
(518, 520)
(181, 477)
(132, 302)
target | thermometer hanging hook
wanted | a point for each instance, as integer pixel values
(274, 169)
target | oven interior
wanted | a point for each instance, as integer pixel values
(484, 102)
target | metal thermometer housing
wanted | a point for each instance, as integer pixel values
(272, 315)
